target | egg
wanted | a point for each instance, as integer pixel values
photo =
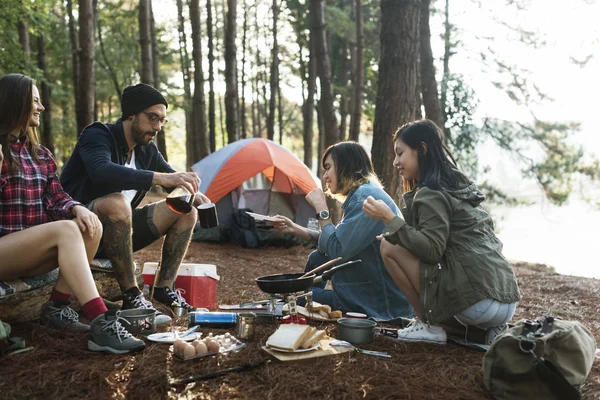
(201, 348)
(213, 346)
(189, 350)
(178, 346)
(195, 342)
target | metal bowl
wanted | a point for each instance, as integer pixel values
(355, 330)
(138, 321)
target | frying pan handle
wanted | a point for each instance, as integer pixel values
(327, 274)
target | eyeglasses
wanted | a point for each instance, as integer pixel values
(154, 119)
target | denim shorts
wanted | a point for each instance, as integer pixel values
(486, 314)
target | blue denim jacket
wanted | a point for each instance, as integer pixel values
(367, 288)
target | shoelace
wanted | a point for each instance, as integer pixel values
(69, 314)
(140, 301)
(417, 324)
(176, 295)
(115, 326)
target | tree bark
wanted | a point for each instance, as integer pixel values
(201, 144)
(343, 79)
(145, 43)
(398, 85)
(74, 59)
(446, 64)
(161, 140)
(185, 68)
(244, 123)
(47, 136)
(308, 108)
(87, 76)
(211, 78)
(231, 91)
(324, 72)
(358, 75)
(274, 75)
(24, 38)
(429, 90)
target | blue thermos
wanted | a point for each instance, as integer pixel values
(213, 319)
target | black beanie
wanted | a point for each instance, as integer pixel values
(137, 98)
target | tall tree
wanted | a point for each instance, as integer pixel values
(324, 72)
(308, 106)
(185, 68)
(73, 36)
(231, 91)
(24, 38)
(47, 136)
(211, 78)
(357, 75)
(429, 90)
(201, 144)
(243, 119)
(274, 75)
(398, 86)
(87, 74)
(145, 42)
(161, 141)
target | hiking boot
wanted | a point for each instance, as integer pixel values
(130, 301)
(108, 335)
(491, 333)
(419, 331)
(167, 296)
(58, 315)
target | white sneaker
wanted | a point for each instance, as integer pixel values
(419, 331)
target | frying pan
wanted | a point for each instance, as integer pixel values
(292, 283)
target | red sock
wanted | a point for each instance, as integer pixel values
(59, 296)
(93, 308)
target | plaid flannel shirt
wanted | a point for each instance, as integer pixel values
(34, 195)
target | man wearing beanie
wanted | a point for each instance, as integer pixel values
(111, 169)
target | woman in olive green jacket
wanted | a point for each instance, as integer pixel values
(444, 256)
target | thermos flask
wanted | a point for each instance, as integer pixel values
(213, 319)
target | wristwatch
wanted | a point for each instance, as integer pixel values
(323, 214)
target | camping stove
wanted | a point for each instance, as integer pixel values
(291, 299)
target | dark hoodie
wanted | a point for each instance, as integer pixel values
(461, 257)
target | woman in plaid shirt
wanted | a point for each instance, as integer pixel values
(41, 226)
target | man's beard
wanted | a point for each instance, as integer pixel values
(138, 135)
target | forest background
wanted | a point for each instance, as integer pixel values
(511, 82)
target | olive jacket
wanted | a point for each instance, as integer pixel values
(461, 257)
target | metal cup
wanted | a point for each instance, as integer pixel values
(207, 215)
(244, 328)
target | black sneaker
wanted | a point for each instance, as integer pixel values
(108, 335)
(139, 301)
(58, 315)
(167, 296)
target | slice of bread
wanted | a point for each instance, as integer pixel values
(314, 307)
(316, 336)
(289, 336)
(335, 314)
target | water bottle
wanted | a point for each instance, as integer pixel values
(213, 319)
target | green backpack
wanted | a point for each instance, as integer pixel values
(10, 345)
(543, 359)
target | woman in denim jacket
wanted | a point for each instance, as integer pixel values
(367, 287)
(444, 255)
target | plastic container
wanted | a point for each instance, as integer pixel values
(197, 281)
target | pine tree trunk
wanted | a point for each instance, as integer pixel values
(74, 58)
(429, 90)
(187, 100)
(358, 75)
(273, 81)
(398, 86)
(446, 65)
(244, 123)
(231, 91)
(145, 43)
(47, 136)
(211, 78)
(87, 76)
(24, 38)
(343, 79)
(161, 140)
(308, 108)
(324, 72)
(202, 145)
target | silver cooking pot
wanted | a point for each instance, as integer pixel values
(356, 330)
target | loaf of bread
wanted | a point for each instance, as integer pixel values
(289, 336)
(311, 341)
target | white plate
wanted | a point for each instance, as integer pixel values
(316, 346)
(169, 337)
(260, 217)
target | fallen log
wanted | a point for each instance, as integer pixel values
(26, 306)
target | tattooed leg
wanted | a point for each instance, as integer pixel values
(115, 214)
(174, 248)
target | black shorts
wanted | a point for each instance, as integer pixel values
(145, 231)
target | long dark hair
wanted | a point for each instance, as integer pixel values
(437, 167)
(352, 164)
(16, 109)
